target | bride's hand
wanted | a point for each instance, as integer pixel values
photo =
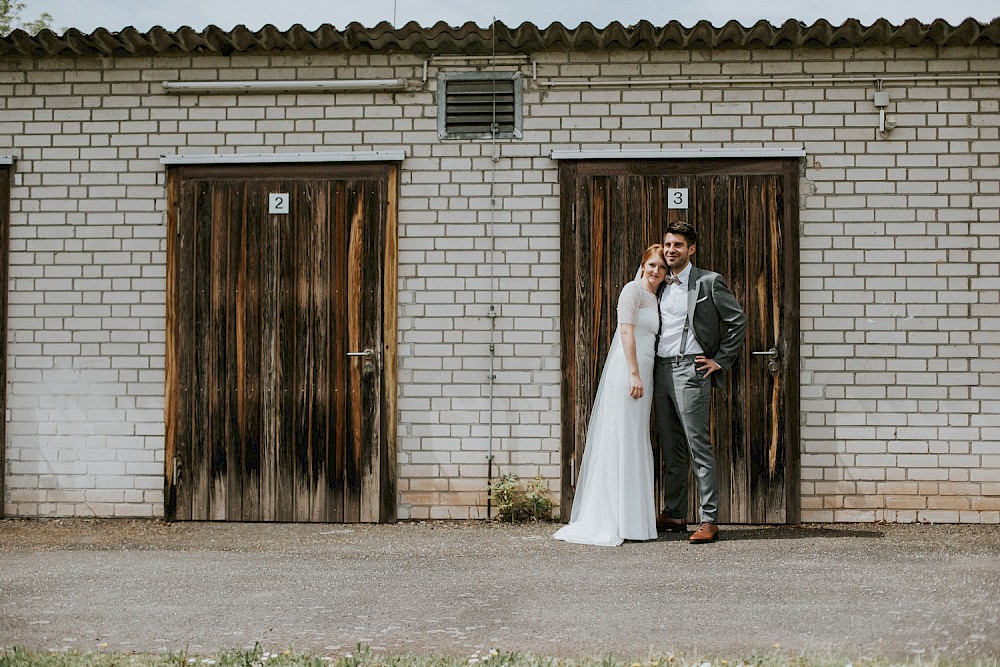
(635, 386)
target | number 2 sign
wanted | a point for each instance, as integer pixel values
(677, 198)
(277, 203)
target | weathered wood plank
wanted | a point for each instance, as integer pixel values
(590, 216)
(789, 347)
(186, 322)
(390, 275)
(235, 362)
(655, 223)
(319, 307)
(227, 454)
(219, 324)
(772, 225)
(172, 369)
(567, 340)
(4, 262)
(734, 433)
(287, 335)
(355, 343)
(201, 464)
(249, 303)
(301, 353)
(757, 292)
(372, 281)
(340, 364)
(270, 397)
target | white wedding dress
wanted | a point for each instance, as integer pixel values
(614, 490)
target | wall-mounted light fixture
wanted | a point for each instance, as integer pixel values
(885, 124)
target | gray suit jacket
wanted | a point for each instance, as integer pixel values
(710, 306)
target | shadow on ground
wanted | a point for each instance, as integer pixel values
(797, 533)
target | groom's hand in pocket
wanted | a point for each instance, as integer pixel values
(705, 365)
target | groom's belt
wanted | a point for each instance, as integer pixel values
(677, 359)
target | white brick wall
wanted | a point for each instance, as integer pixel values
(899, 291)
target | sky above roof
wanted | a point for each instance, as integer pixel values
(88, 15)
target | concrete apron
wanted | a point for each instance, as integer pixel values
(457, 588)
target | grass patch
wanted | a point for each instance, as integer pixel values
(363, 657)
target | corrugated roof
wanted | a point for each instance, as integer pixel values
(470, 39)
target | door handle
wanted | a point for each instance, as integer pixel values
(772, 358)
(368, 368)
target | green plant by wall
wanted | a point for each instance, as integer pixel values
(514, 502)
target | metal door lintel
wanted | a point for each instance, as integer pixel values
(270, 158)
(679, 153)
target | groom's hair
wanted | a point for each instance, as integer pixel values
(685, 229)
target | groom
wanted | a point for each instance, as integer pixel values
(692, 350)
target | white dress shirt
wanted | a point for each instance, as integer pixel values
(673, 315)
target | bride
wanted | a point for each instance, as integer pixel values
(614, 491)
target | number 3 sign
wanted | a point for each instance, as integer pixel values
(677, 197)
(277, 202)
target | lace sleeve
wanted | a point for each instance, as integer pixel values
(629, 303)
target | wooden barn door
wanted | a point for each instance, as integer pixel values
(275, 412)
(5, 183)
(746, 216)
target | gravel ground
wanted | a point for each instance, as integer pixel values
(455, 588)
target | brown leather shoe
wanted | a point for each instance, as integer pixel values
(666, 523)
(707, 532)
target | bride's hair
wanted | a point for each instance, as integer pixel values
(655, 249)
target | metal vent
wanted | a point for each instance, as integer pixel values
(470, 102)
